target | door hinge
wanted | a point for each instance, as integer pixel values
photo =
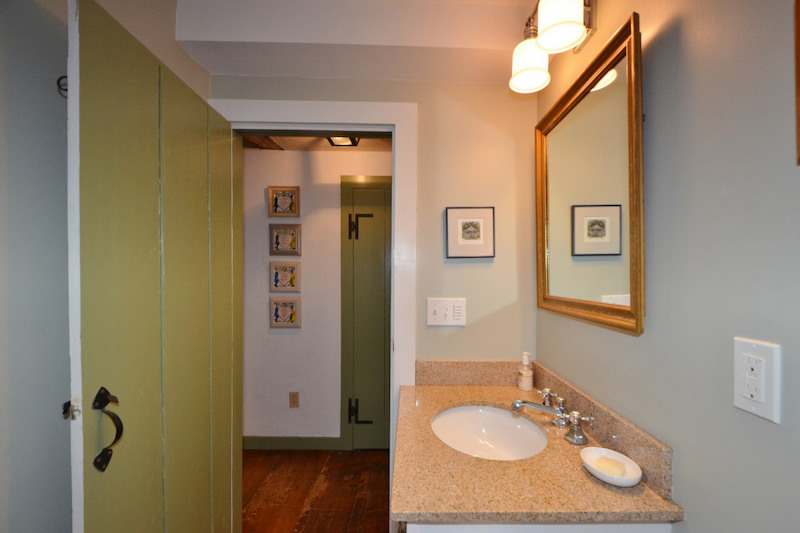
(353, 224)
(352, 413)
(70, 411)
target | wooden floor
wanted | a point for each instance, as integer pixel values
(315, 491)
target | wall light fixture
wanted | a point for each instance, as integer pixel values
(554, 26)
(529, 63)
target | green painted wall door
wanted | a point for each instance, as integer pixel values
(186, 307)
(221, 307)
(366, 295)
(160, 259)
(120, 272)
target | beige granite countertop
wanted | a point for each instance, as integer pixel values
(434, 483)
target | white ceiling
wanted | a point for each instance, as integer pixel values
(421, 40)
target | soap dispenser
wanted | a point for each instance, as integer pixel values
(525, 373)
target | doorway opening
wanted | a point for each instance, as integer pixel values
(280, 361)
(399, 119)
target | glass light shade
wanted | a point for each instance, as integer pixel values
(560, 25)
(529, 68)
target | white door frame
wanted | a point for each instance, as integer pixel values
(74, 265)
(401, 120)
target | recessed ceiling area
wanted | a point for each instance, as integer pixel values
(315, 142)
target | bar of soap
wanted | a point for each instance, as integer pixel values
(610, 466)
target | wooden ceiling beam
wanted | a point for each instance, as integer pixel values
(263, 143)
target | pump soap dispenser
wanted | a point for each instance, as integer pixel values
(525, 374)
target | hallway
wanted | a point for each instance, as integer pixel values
(315, 491)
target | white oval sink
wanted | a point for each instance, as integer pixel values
(489, 432)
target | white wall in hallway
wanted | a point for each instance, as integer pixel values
(277, 361)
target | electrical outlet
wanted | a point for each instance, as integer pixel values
(294, 399)
(757, 378)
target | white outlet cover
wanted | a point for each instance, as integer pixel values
(757, 378)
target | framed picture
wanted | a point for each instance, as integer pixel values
(284, 239)
(596, 230)
(284, 312)
(283, 201)
(469, 231)
(284, 276)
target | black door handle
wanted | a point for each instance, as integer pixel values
(101, 400)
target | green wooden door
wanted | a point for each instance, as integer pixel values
(366, 295)
(159, 254)
(120, 274)
(185, 308)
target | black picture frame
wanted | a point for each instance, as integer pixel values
(469, 232)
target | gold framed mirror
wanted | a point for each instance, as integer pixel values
(589, 192)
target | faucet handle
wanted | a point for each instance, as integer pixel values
(576, 418)
(547, 396)
(562, 418)
(575, 434)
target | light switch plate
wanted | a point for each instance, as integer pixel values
(447, 312)
(757, 378)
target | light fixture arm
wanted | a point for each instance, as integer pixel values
(531, 25)
(589, 19)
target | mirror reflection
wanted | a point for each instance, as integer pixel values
(587, 165)
(589, 175)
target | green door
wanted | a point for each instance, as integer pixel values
(120, 274)
(366, 299)
(155, 242)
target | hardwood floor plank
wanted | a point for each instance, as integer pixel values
(330, 502)
(255, 466)
(371, 506)
(281, 496)
(316, 491)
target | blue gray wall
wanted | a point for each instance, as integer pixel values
(721, 212)
(34, 356)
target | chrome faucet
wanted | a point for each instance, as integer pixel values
(575, 433)
(547, 399)
(517, 405)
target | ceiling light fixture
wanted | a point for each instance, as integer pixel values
(343, 141)
(554, 26)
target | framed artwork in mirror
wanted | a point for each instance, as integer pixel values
(469, 231)
(284, 276)
(284, 239)
(283, 201)
(596, 230)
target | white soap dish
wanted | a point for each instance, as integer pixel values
(630, 477)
